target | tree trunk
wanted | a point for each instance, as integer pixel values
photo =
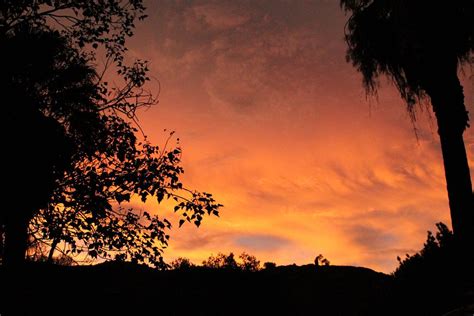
(447, 99)
(16, 241)
(52, 250)
(29, 183)
(2, 239)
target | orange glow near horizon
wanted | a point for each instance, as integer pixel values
(275, 124)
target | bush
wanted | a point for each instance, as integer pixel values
(181, 264)
(222, 261)
(321, 261)
(249, 262)
(438, 278)
(438, 253)
(269, 265)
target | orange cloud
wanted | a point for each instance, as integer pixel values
(276, 125)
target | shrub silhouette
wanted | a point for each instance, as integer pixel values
(269, 265)
(246, 262)
(438, 250)
(181, 264)
(438, 278)
(249, 262)
(221, 261)
(321, 261)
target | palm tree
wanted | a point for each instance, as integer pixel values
(420, 45)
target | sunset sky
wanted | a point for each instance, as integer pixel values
(275, 123)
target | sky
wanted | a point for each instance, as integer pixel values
(276, 125)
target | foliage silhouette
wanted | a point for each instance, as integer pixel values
(427, 289)
(130, 288)
(221, 261)
(39, 123)
(437, 248)
(88, 158)
(269, 265)
(181, 264)
(85, 23)
(412, 42)
(82, 213)
(57, 85)
(61, 260)
(246, 262)
(321, 261)
(438, 278)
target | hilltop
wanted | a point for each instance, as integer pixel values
(113, 287)
(118, 288)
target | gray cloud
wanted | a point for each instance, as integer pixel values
(197, 239)
(256, 242)
(371, 238)
(238, 52)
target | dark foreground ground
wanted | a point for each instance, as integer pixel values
(125, 289)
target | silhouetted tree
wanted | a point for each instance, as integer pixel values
(437, 278)
(38, 254)
(269, 265)
(221, 261)
(419, 45)
(181, 264)
(437, 251)
(321, 261)
(248, 262)
(46, 93)
(81, 212)
(49, 89)
(74, 153)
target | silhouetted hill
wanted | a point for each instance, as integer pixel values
(112, 288)
(126, 289)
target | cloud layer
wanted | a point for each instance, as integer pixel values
(276, 124)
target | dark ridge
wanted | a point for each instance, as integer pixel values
(115, 288)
